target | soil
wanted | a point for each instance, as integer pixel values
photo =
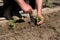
(49, 30)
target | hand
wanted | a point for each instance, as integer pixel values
(26, 8)
(42, 19)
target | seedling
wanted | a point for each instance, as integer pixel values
(13, 22)
(39, 19)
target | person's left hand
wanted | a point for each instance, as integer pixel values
(42, 19)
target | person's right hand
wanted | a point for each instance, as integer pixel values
(26, 8)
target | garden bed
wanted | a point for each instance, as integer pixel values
(49, 30)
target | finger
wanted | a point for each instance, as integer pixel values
(26, 11)
(41, 22)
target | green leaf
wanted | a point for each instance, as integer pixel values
(39, 19)
(12, 22)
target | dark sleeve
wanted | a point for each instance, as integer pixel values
(32, 3)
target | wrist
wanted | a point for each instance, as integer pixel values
(20, 1)
(39, 13)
